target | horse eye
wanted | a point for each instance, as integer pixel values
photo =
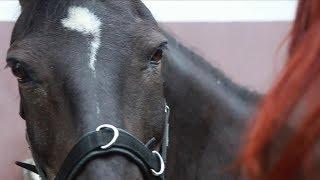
(19, 71)
(157, 56)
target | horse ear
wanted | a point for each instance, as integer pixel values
(24, 3)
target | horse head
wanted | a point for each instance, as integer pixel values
(81, 64)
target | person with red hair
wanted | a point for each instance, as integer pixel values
(284, 140)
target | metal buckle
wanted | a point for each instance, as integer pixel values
(115, 134)
(162, 165)
(166, 108)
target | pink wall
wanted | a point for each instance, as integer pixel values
(12, 140)
(245, 51)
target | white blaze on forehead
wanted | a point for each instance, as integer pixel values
(80, 19)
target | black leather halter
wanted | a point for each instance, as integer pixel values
(107, 140)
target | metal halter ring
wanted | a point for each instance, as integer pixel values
(162, 166)
(115, 134)
(166, 108)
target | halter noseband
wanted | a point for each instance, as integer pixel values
(107, 139)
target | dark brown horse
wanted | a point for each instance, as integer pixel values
(209, 115)
(81, 64)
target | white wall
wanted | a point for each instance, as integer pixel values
(199, 11)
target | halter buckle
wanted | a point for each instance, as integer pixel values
(115, 134)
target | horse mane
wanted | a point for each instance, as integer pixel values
(283, 138)
(197, 60)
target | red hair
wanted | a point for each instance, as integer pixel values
(280, 145)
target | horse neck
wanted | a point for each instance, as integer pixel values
(209, 113)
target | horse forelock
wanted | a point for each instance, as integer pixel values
(34, 12)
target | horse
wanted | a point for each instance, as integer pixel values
(82, 64)
(209, 114)
(283, 141)
(90, 83)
